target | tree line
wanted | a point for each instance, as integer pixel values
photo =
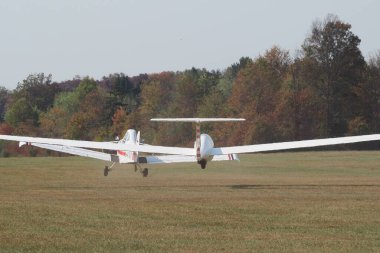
(327, 90)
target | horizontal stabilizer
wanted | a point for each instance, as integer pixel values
(196, 120)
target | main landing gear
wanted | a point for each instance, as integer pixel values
(144, 172)
(106, 169)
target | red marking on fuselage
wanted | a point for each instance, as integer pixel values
(133, 156)
(122, 153)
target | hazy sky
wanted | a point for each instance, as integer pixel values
(99, 37)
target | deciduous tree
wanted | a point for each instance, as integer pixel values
(335, 50)
(4, 96)
(38, 90)
(20, 112)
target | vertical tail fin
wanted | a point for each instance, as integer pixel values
(138, 138)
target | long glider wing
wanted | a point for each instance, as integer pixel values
(294, 144)
(78, 151)
(102, 145)
(113, 158)
(184, 159)
(191, 152)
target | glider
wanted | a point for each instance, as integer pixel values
(128, 149)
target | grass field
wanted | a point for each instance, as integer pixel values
(284, 202)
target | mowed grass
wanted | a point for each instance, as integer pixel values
(284, 202)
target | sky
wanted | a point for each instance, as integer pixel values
(98, 37)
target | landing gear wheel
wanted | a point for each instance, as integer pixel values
(106, 170)
(203, 164)
(145, 172)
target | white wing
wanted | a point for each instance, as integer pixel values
(190, 151)
(152, 149)
(113, 158)
(167, 159)
(294, 144)
(102, 145)
(183, 159)
(78, 151)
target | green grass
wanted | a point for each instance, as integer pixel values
(285, 202)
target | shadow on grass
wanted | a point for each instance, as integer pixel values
(235, 187)
(301, 186)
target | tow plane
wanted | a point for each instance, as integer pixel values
(129, 148)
